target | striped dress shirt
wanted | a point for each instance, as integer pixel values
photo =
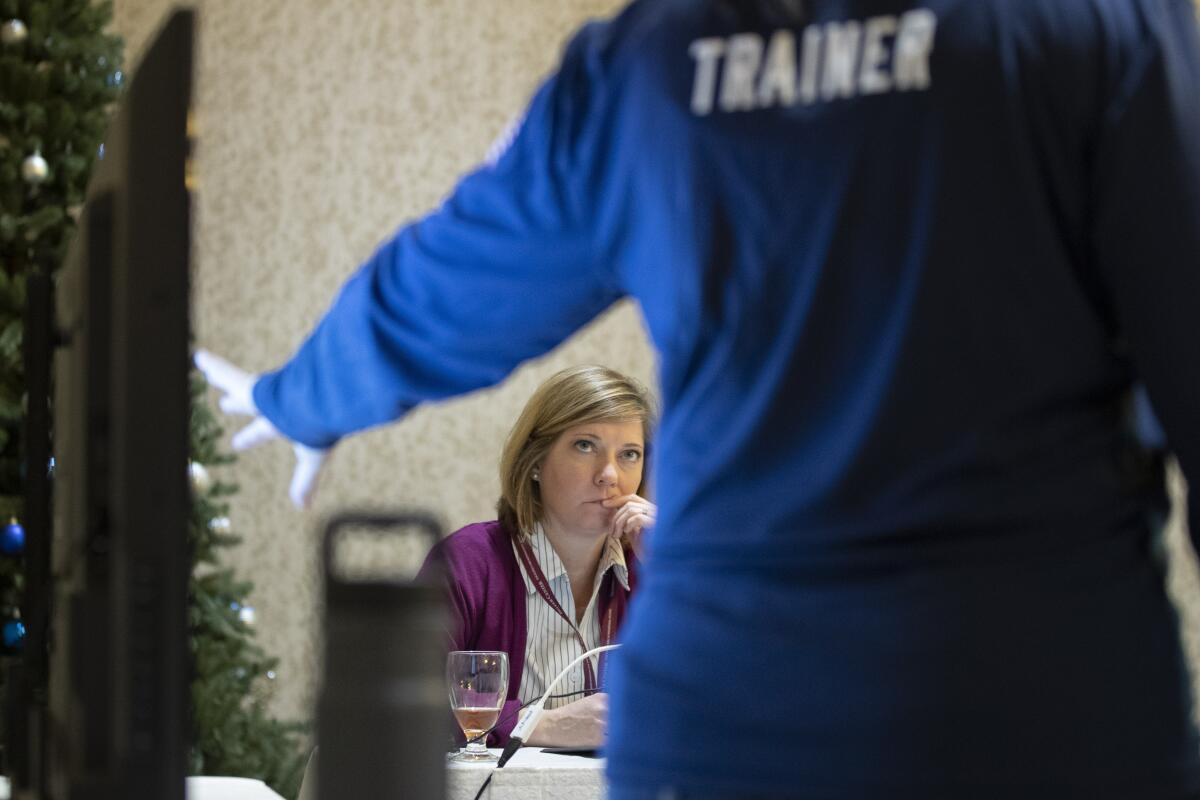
(550, 643)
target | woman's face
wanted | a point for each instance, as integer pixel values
(587, 464)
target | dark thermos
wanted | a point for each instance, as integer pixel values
(382, 724)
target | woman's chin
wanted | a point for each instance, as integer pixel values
(594, 526)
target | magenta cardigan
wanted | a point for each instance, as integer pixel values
(487, 602)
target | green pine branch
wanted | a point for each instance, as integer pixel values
(235, 735)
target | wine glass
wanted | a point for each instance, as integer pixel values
(478, 681)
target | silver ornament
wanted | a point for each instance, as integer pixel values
(246, 615)
(34, 169)
(220, 525)
(13, 32)
(201, 481)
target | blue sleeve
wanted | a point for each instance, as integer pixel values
(1146, 221)
(507, 268)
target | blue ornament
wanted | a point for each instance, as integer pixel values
(14, 635)
(12, 541)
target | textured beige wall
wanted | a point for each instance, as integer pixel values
(323, 126)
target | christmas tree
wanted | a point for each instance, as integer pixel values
(234, 733)
(60, 74)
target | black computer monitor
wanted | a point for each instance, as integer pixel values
(108, 678)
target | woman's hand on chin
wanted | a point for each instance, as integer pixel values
(578, 724)
(635, 515)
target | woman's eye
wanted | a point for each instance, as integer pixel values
(632, 455)
(584, 446)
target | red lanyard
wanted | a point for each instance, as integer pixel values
(607, 625)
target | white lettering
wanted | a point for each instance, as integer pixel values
(839, 77)
(914, 43)
(741, 65)
(873, 79)
(778, 82)
(827, 62)
(707, 53)
(809, 64)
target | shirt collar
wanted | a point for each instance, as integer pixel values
(612, 557)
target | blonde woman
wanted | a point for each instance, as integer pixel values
(551, 577)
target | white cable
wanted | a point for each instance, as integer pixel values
(527, 723)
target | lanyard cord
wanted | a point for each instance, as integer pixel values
(542, 586)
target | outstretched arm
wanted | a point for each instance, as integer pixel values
(514, 261)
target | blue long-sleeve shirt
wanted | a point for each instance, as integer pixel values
(903, 263)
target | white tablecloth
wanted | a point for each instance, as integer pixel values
(228, 789)
(530, 775)
(207, 789)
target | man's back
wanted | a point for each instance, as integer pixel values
(903, 263)
(899, 303)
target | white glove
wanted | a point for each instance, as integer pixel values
(237, 387)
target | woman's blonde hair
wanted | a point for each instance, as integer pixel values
(574, 396)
